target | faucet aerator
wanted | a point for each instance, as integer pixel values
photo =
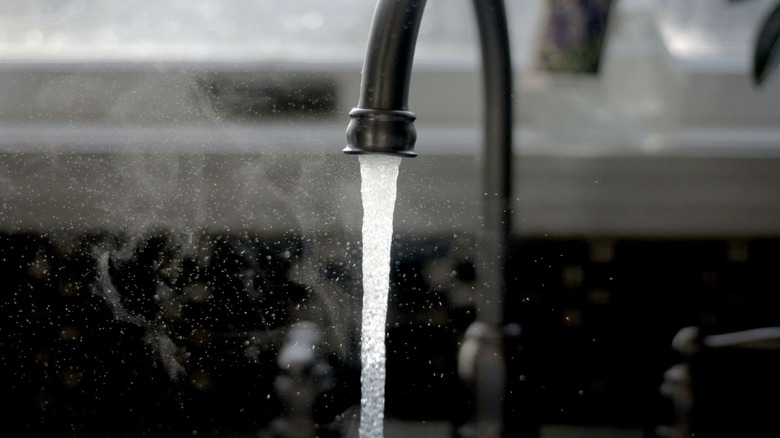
(388, 132)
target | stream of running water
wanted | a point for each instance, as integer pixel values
(379, 174)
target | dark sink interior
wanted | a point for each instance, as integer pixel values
(178, 334)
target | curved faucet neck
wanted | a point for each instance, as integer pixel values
(382, 122)
(388, 65)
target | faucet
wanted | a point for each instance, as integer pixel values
(383, 124)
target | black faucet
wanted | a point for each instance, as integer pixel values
(383, 124)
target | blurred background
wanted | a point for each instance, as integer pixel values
(176, 216)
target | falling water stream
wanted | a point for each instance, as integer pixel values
(378, 174)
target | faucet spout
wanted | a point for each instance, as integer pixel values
(383, 124)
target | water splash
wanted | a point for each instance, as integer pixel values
(379, 174)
